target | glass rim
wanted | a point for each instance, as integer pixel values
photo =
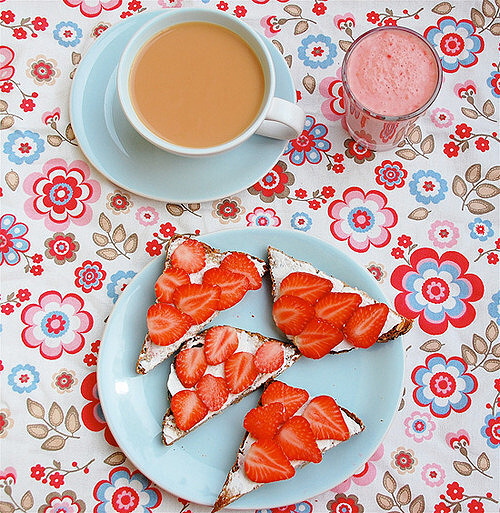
(384, 117)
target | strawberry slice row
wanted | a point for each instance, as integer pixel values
(283, 437)
(319, 319)
(194, 303)
(241, 369)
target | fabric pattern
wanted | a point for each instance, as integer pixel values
(423, 219)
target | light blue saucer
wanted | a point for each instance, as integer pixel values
(366, 381)
(113, 147)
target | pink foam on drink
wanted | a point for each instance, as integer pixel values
(392, 72)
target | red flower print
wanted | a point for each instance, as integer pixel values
(397, 253)
(23, 295)
(37, 472)
(492, 258)
(222, 6)
(20, 33)
(437, 290)
(90, 276)
(441, 508)
(319, 8)
(90, 359)
(475, 506)
(300, 193)
(314, 204)
(240, 11)
(454, 491)
(167, 229)
(61, 194)
(357, 151)
(391, 174)
(7, 16)
(92, 415)
(56, 480)
(228, 210)
(153, 247)
(7, 308)
(275, 184)
(309, 145)
(338, 168)
(36, 270)
(61, 248)
(463, 131)
(40, 23)
(327, 191)
(482, 144)
(451, 149)
(7, 87)
(134, 5)
(373, 17)
(27, 105)
(404, 241)
(342, 503)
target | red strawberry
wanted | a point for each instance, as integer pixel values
(189, 256)
(188, 409)
(326, 419)
(241, 264)
(269, 356)
(166, 324)
(169, 280)
(233, 286)
(190, 365)
(239, 371)
(337, 307)
(307, 286)
(264, 421)
(212, 391)
(220, 343)
(318, 338)
(266, 462)
(290, 397)
(197, 300)
(366, 324)
(291, 314)
(297, 440)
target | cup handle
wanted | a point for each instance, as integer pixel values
(284, 120)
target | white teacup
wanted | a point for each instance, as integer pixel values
(277, 118)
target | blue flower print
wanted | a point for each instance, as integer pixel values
(317, 51)
(300, 507)
(12, 241)
(301, 221)
(119, 281)
(23, 147)
(428, 187)
(494, 307)
(23, 378)
(493, 82)
(67, 33)
(480, 229)
(491, 430)
(309, 144)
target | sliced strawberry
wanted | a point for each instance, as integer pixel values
(233, 286)
(166, 324)
(307, 286)
(269, 357)
(264, 421)
(266, 462)
(290, 397)
(291, 314)
(190, 365)
(188, 409)
(239, 371)
(337, 307)
(220, 343)
(318, 338)
(169, 280)
(366, 324)
(212, 391)
(241, 264)
(326, 419)
(297, 440)
(197, 300)
(189, 256)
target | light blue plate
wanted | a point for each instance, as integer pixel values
(113, 147)
(366, 381)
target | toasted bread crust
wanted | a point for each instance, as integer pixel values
(400, 329)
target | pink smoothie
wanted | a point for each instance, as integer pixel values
(392, 72)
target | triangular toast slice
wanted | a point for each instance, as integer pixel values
(269, 459)
(216, 369)
(285, 267)
(194, 258)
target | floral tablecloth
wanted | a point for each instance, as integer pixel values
(422, 218)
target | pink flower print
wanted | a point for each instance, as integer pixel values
(468, 88)
(263, 217)
(270, 25)
(362, 219)
(56, 324)
(458, 440)
(51, 117)
(365, 475)
(443, 234)
(419, 426)
(442, 118)
(147, 216)
(332, 89)
(61, 194)
(92, 8)
(6, 57)
(433, 474)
